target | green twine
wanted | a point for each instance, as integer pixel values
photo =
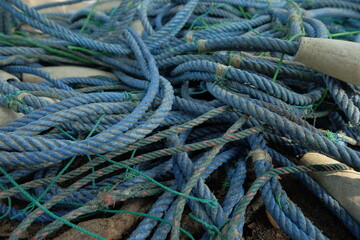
(129, 96)
(31, 206)
(321, 100)
(65, 133)
(96, 126)
(343, 34)
(47, 48)
(329, 34)
(213, 230)
(222, 79)
(199, 18)
(9, 203)
(84, 50)
(211, 203)
(129, 4)
(278, 200)
(302, 34)
(244, 13)
(213, 25)
(8, 43)
(92, 169)
(88, 136)
(282, 57)
(198, 92)
(251, 29)
(14, 102)
(262, 54)
(297, 7)
(130, 174)
(89, 16)
(26, 194)
(113, 10)
(225, 185)
(331, 136)
(276, 74)
(303, 107)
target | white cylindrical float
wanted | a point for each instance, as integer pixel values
(336, 58)
(342, 185)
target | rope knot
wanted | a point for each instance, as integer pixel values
(106, 199)
(14, 101)
(260, 155)
(130, 97)
(220, 73)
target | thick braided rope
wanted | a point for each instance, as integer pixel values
(241, 207)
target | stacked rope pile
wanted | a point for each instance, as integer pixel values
(199, 87)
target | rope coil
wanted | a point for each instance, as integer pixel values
(172, 99)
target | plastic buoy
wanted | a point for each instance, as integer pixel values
(339, 59)
(341, 185)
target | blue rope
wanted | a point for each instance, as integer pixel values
(197, 76)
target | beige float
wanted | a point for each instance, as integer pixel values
(343, 185)
(102, 5)
(339, 59)
(67, 72)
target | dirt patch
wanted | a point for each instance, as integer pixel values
(118, 226)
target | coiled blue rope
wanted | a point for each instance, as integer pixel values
(194, 87)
